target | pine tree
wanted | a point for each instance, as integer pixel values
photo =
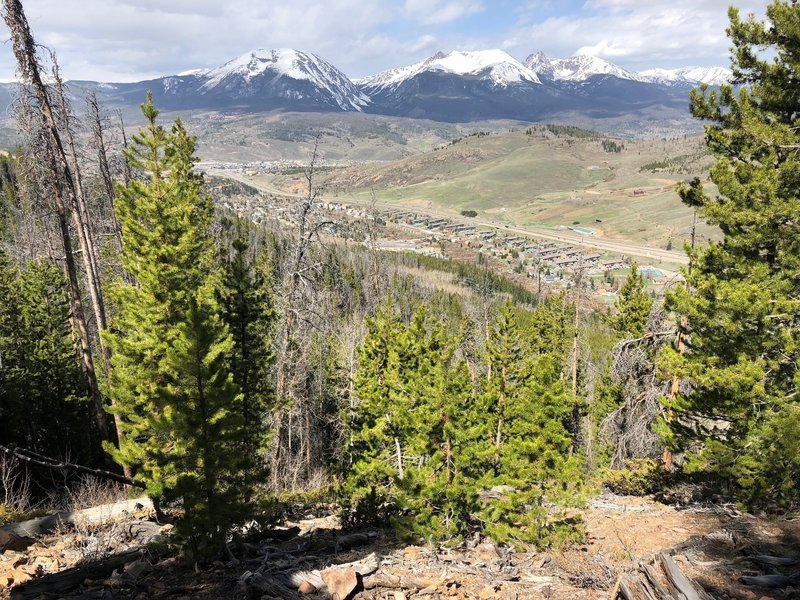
(632, 307)
(504, 361)
(248, 309)
(374, 445)
(524, 418)
(405, 433)
(43, 394)
(739, 308)
(180, 409)
(10, 405)
(435, 496)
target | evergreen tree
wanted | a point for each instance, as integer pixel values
(405, 433)
(435, 496)
(43, 394)
(8, 191)
(524, 419)
(504, 381)
(181, 412)
(632, 307)
(248, 309)
(739, 308)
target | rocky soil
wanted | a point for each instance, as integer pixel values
(725, 553)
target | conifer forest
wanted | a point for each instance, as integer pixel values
(237, 372)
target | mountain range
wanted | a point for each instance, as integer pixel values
(456, 87)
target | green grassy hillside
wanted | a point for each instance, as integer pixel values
(542, 177)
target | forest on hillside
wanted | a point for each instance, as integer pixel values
(225, 368)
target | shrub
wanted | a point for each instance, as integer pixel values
(641, 476)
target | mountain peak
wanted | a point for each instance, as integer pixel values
(541, 65)
(575, 68)
(495, 66)
(246, 74)
(582, 66)
(688, 76)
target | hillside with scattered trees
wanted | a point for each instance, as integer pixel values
(236, 373)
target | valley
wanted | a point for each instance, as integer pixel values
(541, 205)
(536, 181)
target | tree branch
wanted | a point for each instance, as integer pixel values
(34, 458)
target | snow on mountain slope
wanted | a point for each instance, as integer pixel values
(241, 73)
(688, 75)
(583, 66)
(492, 65)
(541, 65)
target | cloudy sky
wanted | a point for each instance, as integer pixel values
(130, 40)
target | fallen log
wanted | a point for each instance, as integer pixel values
(265, 585)
(655, 582)
(397, 582)
(280, 534)
(680, 586)
(353, 540)
(625, 591)
(662, 579)
(35, 528)
(64, 581)
(339, 581)
(775, 561)
(363, 567)
(773, 581)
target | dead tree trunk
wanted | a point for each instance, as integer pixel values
(374, 256)
(98, 133)
(126, 165)
(680, 346)
(82, 221)
(294, 280)
(56, 161)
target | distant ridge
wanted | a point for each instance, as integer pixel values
(459, 86)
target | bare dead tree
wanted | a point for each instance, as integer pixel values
(374, 254)
(55, 159)
(126, 172)
(576, 409)
(29, 235)
(297, 280)
(81, 217)
(629, 428)
(98, 125)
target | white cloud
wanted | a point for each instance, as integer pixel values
(636, 34)
(436, 12)
(425, 42)
(127, 40)
(604, 49)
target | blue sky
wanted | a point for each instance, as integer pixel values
(128, 40)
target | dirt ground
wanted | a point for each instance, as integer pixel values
(713, 545)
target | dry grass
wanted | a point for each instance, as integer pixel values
(15, 489)
(93, 491)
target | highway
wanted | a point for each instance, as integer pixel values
(546, 233)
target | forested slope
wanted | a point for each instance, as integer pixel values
(224, 366)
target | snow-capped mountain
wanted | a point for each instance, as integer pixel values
(690, 76)
(541, 65)
(576, 68)
(278, 72)
(493, 66)
(457, 87)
